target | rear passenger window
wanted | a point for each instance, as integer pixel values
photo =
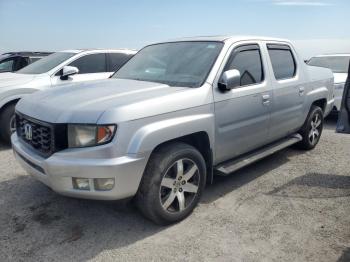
(282, 60)
(95, 63)
(116, 60)
(247, 60)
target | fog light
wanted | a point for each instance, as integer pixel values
(81, 183)
(104, 184)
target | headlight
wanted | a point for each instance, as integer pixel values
(90, 135)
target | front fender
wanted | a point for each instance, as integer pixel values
(9, 99)
(12, 96)
(151, 135)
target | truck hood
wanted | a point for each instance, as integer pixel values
(340, 78)
(86, 102)
(13, 79)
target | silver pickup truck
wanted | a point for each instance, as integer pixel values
(173, 116)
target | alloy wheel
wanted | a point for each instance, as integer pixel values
(315, 130)
(179, 186)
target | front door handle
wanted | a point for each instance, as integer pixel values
(266, 99)
(301, 90)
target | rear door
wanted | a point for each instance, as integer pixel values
(242, 114)
(287, 108)
(91, 67)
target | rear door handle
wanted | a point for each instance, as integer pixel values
(266, 99)
(301, 90)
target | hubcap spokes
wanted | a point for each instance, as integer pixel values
(179, 185)
(314, 133)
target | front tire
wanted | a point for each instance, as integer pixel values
(172, 184)
(312, 129)
(7, 123)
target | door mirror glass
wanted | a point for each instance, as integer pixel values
(68, 71)
(230, 79)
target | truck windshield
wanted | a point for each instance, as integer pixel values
(46, 64)
(338, 64)
(185, 64)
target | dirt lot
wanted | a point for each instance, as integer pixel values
(292, 206)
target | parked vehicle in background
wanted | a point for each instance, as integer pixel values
(14, 61)
(171, 117)
(64, 67)
(338, 63)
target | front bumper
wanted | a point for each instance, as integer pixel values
(58, 170)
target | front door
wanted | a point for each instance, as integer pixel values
(242, 114)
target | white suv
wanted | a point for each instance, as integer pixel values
(56, 69)
(338, 63)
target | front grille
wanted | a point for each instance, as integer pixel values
(43, 137)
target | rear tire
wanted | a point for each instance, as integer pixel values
(172, 183)
(312, 129)
(7, 123)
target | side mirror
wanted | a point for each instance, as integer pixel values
(230, 79)
(68, 71)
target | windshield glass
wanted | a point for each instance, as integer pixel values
(185, 64)
(46, 64)
(338, 64)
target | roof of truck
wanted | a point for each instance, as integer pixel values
(234, 38)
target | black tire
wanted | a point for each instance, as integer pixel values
(161, 165)
(6, 120)
(310, 141)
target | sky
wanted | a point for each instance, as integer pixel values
(315, 26)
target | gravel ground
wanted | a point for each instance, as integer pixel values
(292, 206)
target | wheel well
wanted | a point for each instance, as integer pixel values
(7, 104)
(320, 103)
(200, 141)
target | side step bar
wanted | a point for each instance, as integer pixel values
(247, 159)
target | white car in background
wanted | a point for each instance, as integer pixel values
(56, 69)
(338, 63)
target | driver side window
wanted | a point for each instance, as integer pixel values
(247, 60)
